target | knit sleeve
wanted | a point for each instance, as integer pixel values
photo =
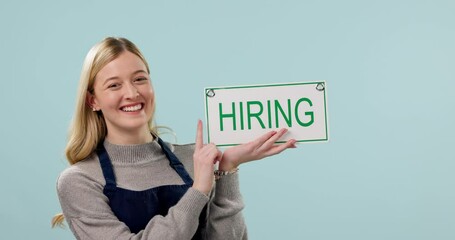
(89, 215)
(225, 220)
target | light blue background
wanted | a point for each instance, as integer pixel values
(387, 172)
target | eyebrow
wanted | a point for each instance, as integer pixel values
(116, 77)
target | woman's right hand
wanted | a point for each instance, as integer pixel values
(205, 156)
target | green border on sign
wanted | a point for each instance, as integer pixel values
(268, 85)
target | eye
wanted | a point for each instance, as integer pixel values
(113, 85)
(141, 79)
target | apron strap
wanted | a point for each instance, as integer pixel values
(175, 163)
(106, 167)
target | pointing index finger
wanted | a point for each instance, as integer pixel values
(199, 138)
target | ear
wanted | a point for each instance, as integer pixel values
(91, 102)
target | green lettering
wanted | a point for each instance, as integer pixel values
(227, 115)
(288, 118)
(311, 114)
(255, 115)
(241, 116)
(269, 114)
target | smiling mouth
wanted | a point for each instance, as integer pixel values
(133, 108)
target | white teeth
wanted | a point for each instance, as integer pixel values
(132, 108)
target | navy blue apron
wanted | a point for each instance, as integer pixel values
(136, 208)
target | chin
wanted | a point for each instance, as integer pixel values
(134, 125)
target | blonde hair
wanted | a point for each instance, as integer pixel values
(88, 128)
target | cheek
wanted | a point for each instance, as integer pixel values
(149, 94)
(110, 100)
(151, 101)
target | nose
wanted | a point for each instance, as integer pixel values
(131, 91)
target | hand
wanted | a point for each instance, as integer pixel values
(205, 156)
(262, 147)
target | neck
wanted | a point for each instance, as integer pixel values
(129, 137)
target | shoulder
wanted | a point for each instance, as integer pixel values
(184, 153)
(80, 190)
(183, 150)
(87, 171)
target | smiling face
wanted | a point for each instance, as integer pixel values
(123, 92)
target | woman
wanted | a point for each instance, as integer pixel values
(124, 182)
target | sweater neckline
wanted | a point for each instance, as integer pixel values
(134, 153)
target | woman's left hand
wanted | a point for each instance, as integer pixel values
(262, 147)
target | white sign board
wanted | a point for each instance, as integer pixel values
(239, 114)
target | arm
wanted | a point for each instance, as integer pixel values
(89, 216)
(225, 217)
